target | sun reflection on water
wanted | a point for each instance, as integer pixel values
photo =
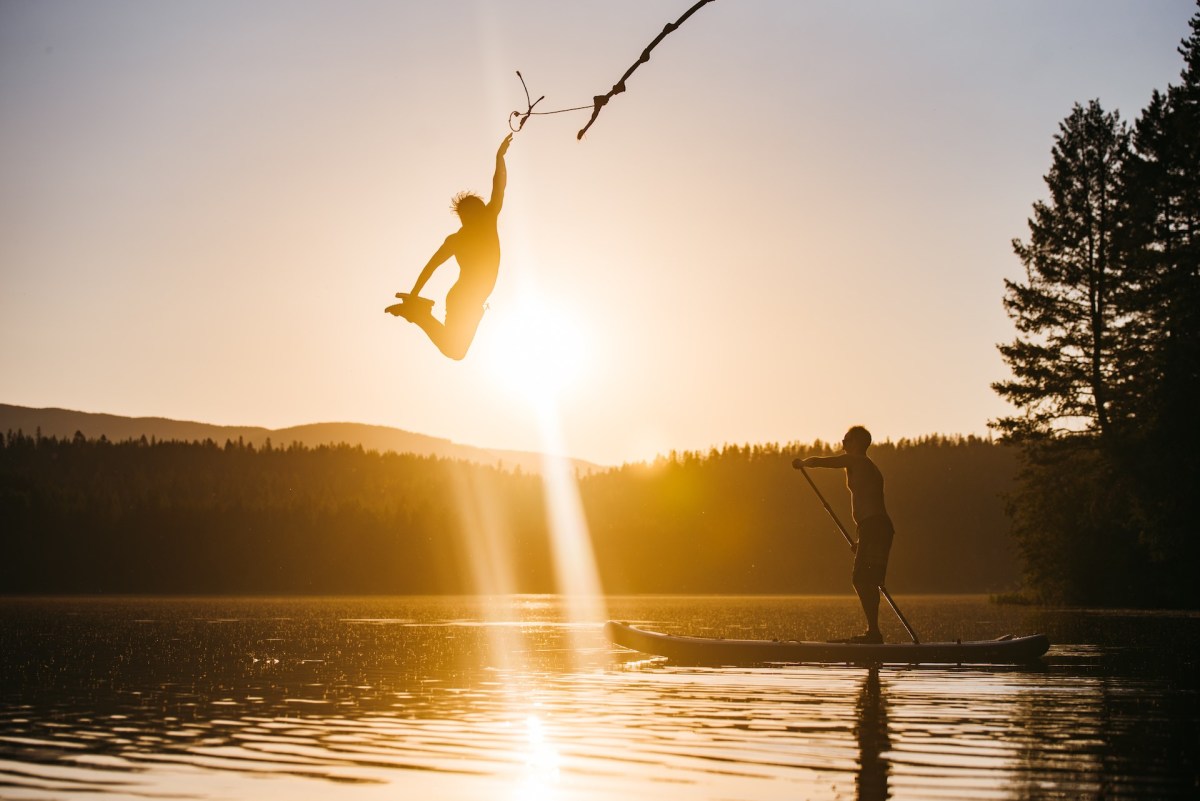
(542, 764)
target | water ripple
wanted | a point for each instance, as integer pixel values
(358, 701)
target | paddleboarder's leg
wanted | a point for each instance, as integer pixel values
(870, 565)
(868, 596)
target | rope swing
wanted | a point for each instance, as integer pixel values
(599, 101)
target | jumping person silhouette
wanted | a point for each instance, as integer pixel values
(875, 529)
(476, 248)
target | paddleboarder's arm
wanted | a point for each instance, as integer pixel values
(500, 179)
(435, 261)
(841, 461)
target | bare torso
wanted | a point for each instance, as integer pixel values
(866, 487)
(477, 251)
(862, 478)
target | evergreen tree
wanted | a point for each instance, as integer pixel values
(1106, 364)
(1067, 361)
(1164, 242)
(1075, 514)
(1165, 239)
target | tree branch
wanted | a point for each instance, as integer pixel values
(600, 101)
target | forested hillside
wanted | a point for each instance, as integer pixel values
(65, 423)
(83, 515)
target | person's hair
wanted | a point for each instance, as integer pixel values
(860, 434)
(465, 201)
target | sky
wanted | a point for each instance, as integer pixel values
(798, 217)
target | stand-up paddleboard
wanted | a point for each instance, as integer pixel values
(1007, 650)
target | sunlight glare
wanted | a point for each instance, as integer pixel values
(536, 350)
(574, 557)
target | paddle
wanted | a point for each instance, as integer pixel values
(850, 541)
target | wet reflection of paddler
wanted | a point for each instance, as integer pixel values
(873, 742)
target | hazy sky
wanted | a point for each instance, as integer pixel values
(798, 217)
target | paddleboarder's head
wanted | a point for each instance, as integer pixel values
(857, 440)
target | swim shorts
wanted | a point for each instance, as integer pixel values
(874, 545)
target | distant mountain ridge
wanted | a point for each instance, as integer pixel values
(65, 422)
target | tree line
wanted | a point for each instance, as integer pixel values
(1106, 362)
(94, 516)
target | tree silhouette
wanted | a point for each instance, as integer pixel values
(1067, 360)
(1164, 202)
(1106, 363)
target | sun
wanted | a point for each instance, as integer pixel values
(536, 349)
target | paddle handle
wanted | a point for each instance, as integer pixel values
(799, 465)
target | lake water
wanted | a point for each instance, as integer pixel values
(465, 698)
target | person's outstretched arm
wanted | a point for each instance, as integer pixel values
(436, 260)
(500, 179)
(823, 461)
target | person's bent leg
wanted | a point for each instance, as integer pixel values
(452, 343)
(454, 338)
(432, 327)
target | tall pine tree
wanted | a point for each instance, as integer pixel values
(1164, 242)
(1068, 374)
(1165, 238)
(1106, 363)
(1074, 515)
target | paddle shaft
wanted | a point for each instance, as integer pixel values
(850, 541)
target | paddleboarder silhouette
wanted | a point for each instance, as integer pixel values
(875, 530)
(476, 248)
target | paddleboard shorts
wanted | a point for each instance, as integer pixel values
(874, 545)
